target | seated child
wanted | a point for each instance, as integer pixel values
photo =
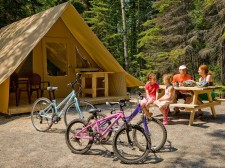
(167, 98)
(151, 88)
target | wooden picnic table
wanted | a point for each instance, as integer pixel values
(196, 103)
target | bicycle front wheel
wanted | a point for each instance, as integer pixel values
(41, 114)
(71, 112)
(77, 140)
(126, 148)
(157, 132)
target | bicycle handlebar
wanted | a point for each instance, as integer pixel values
(73, 84)
(140, 95)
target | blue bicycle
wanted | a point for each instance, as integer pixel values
(152, 126)
(45, 112)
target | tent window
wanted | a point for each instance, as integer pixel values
(56, 59)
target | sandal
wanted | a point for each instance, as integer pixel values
(147, 113)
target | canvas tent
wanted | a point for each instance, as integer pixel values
(58, 34)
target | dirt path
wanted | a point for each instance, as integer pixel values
(201, 145)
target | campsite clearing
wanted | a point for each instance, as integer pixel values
(201, 145)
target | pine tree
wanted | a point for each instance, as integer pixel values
(213, 52)
(164, 40)
(104, 18)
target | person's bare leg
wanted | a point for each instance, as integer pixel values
(146, 110)
(147, 106)
(163, 112)
(149, 103)
(188, 100)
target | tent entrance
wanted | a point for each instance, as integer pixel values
(56, 63)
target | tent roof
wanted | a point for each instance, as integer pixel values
(19, 38)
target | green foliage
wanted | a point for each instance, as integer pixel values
(163, 5)
(223, 36)
(14, 10)
(209, 3)
(197, 14)
(161, 34)
(216, 72)
(166, 41)
(148, 36)
(175, 54)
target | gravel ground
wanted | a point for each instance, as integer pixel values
(200, 145)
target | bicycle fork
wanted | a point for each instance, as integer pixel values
(145, 124)
(146, 130)
(127, 128)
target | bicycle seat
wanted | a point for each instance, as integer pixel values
(52, 88)
(111, 103)
(94, 110)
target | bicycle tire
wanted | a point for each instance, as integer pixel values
(41, 120)
(71, 141)
(99, 116)
(71, 113)
(120, 143)
(158, 133)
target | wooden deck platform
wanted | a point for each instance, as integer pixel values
(25, 107)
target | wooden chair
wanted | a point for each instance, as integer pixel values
(37, 85)
(17, 86)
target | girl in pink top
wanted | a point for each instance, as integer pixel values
(151, 88)
(167, 98)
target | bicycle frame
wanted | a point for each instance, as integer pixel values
(71, 97)
(117, 116)
(133, 114)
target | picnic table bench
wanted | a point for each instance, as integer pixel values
(196, 103)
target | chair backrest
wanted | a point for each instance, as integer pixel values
(34, 80)
(13, 81)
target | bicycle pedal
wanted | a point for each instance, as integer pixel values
(56, 119)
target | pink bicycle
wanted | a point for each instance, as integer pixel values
(80, 136)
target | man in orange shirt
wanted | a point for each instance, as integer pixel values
(180, 78)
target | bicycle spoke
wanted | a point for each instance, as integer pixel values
(77, 141)
(41, 114)
(71, 112)
(127, 151)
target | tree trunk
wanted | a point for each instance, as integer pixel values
(124, 35)
(223, 63)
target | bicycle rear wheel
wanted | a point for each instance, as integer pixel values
(129, 152)
(77, 142)
(41, 114)
(157, 131)
(91, 118)
(71, 112)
